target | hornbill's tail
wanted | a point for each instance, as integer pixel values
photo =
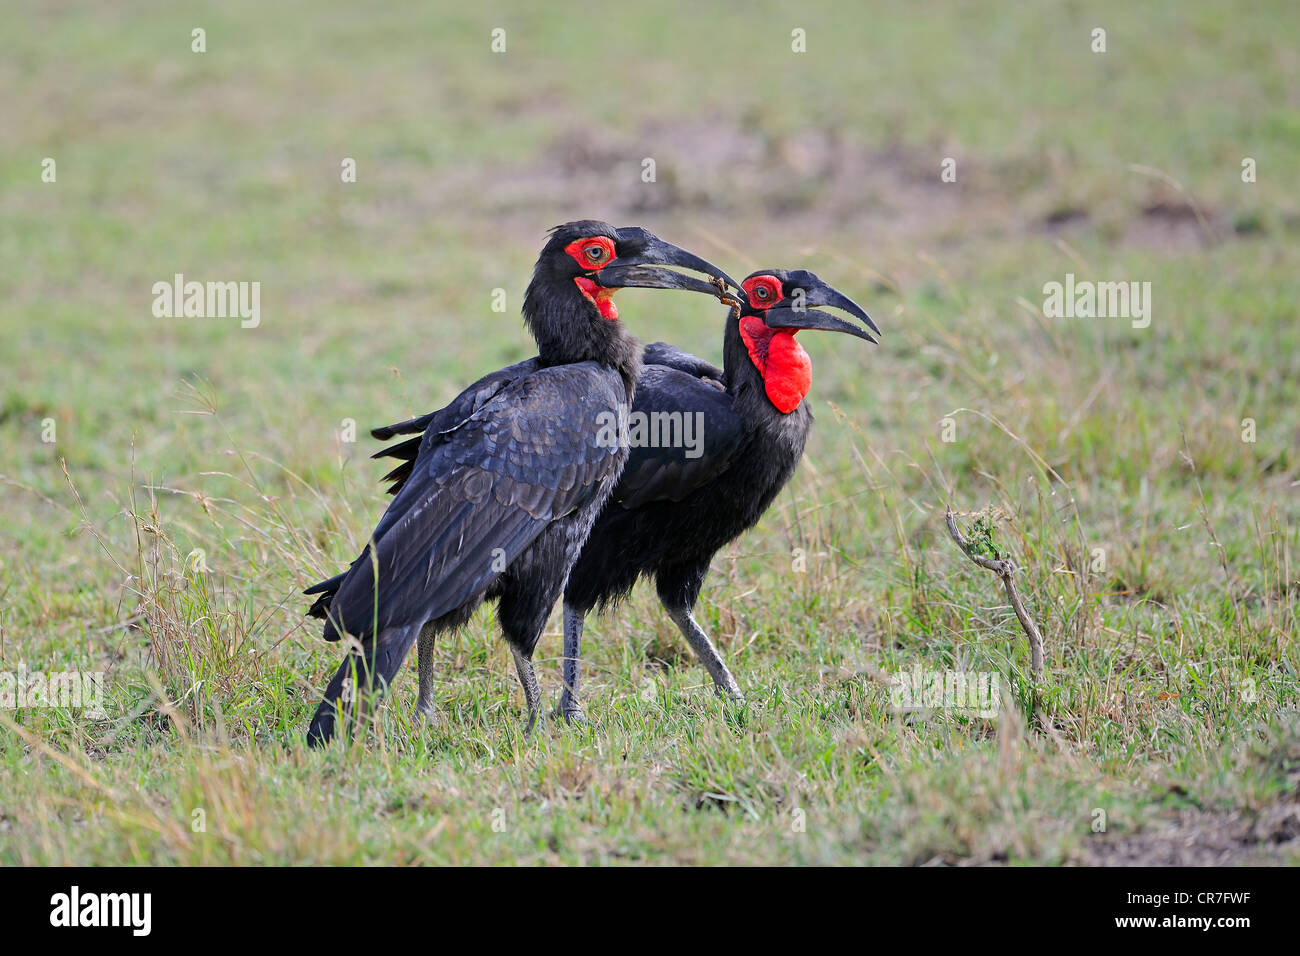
(411, 426)
(325, 592)
(362, 675)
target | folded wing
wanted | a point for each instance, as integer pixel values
(670, 471)
(477, 494)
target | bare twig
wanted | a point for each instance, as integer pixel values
(1005, 569)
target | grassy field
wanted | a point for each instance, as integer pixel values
(1157, 530)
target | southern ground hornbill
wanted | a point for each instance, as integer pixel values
(670, 512)
(675, 506)
(500, 492)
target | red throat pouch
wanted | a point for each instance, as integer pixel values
(785, 366)
(600, 297)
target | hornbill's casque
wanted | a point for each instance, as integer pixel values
(498, 495)
(673, 509)
(670, 512)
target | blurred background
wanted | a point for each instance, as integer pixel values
(376, 303)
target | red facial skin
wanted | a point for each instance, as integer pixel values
(784, 365)
(592, 255)
(763, 292)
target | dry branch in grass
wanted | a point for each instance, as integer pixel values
(1005, 568)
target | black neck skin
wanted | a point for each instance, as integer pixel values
(569, 329)
(744, 380)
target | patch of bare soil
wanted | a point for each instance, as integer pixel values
(1198, 838)
(1174, 223)
(811, 181)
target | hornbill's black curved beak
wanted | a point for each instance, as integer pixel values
(779, 317)
(641, 254)
(792, 312)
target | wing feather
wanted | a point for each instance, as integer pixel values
(673, 473)
(478, 495)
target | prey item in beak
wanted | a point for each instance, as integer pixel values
(785, 317)
(726, 298)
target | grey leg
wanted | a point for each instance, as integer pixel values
(532, 693)
(424, 648)
(724, 683)
(570, 708)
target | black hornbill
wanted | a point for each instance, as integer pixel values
(675, 506)
(498, 495)
(671, 512)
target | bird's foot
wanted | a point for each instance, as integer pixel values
(729, 692)
(572, 715)
(570, 709)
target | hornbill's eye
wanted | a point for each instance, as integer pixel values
(592, 253)
(763, 291)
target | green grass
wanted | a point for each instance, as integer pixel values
(1158, 548)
